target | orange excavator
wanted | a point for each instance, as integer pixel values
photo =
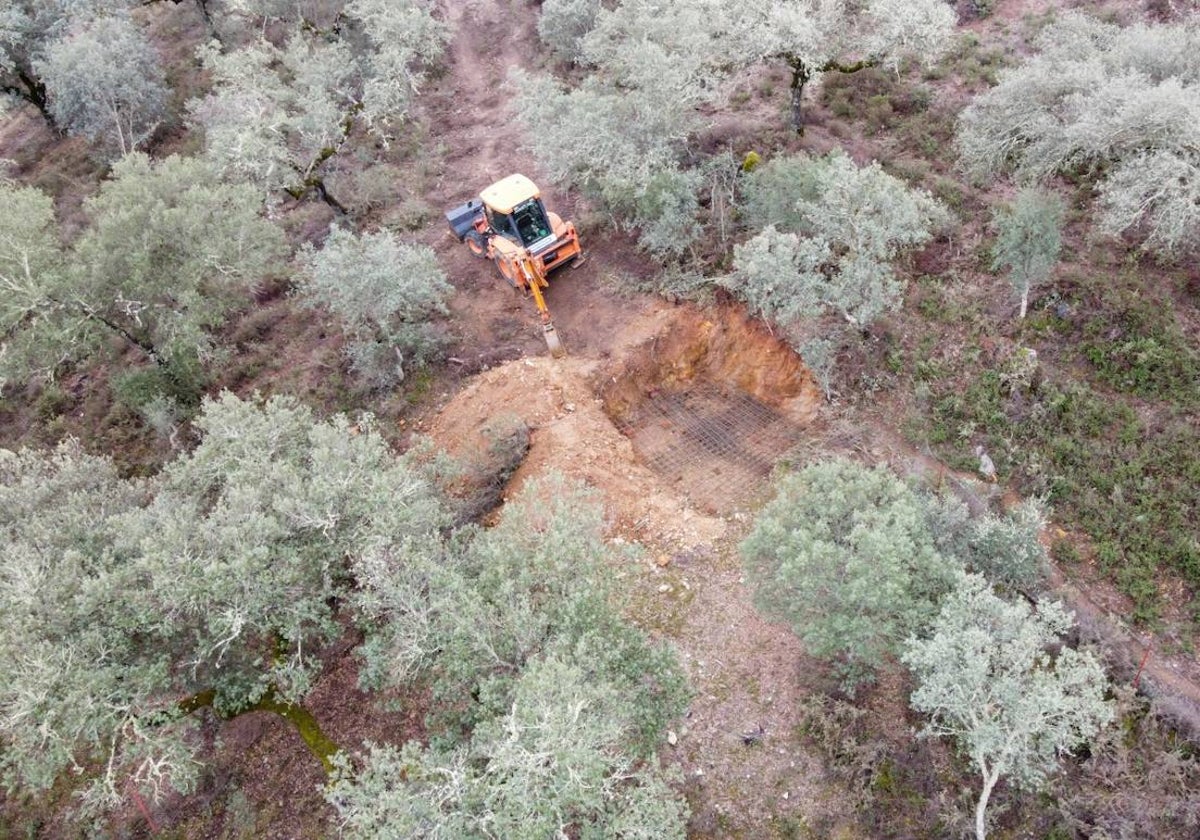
(509, 225)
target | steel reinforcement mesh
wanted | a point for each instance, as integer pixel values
(714, 445)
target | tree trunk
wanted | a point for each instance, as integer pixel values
(800, 76)
(92, 314)
(989, 782)
(327, 197)
(318, 743)
(33, 91)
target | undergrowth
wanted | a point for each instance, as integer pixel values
(1115, 450)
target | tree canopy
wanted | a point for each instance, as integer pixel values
(843, 553)
(28, 29)
(1028, 239)
(386, 293)
(553, 764)
(131, 604)
(832, 231)
(168, 251)
(549, 705)
(135, 603)
(1116, 103)
(987, 677)
(104, 81)
(279, 111)
(622, 134)
(708, 40)
(822, 36)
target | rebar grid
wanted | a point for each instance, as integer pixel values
(715, 445)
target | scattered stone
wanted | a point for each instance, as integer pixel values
(664, 588)
(986, 467)
(754, 736)
(569, 406)
(672, 738)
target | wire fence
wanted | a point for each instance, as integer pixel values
(716, 446)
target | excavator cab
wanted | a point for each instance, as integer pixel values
(510, 225)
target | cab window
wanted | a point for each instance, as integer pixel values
(531, 221)
(502, 224)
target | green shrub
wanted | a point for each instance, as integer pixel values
(1131, 483)
(844, 554)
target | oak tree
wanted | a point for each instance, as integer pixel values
(554, 763)
(131, 605)
(169, 250)
(105, 82)
(548, 704)
(843, 553)
(989, 677)
(1028, 240)
(1101, 101)
(813, 37)
(278, 113)
(385, 292)
(27, 29)
(831, 234)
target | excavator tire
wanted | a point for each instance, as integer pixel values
(507, 271)
(477, 242)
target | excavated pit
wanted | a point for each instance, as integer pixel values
(710, 406)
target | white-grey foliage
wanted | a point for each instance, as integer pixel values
(621, 134)
(548, 704)
(820, 356)
(713, 38)
(106, 83)
(833, 231)
(58, 571)
(386, 293)
(469, 619)
(1004, 548)
(551, 703)
(820, 32)
(620, 149)
(553, 764)
(127, 599)
(1119, 103)
(28, 28)
(30, 263)
(725, 36)
(277, 113)
(167, 252)
(563, 23)
(994, 676)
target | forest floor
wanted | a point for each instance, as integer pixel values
(675, 414)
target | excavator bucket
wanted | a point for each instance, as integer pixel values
(551, 336)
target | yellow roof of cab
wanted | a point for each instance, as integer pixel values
(507, 193)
